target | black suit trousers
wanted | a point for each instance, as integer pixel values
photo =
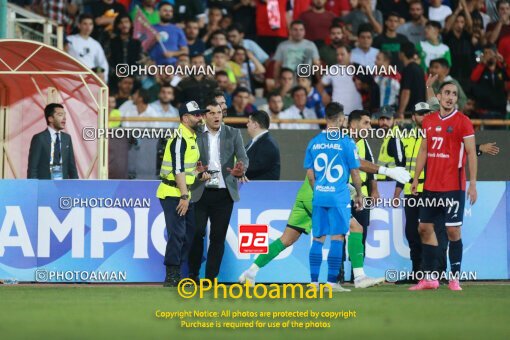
(216, 205)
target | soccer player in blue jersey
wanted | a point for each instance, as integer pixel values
(329, 160)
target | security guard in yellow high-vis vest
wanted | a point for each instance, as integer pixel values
(358, 123)
(412, 144)
(178, 172)
(391, 153)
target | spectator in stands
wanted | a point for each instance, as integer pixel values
(196, 87)
(388, 82)
(214, 16)
(438, 12)
(399, 7)
(148, 8)
(501, 28)
(298, 111)
(338, 7)
(369, 91)
(172, 43)
(327, 53)
(414, 30)
(138, 107)
(163, 107)
(222, 62)
(262, 151)
(313, 97)
(441, 68)
(104, 13)
(221, 100)
(344, 89)
(271, 32)
(225, 85)
(235, 36)
(85, 48)
(285, 84)
(489, 78)
(475, 8)
(391, 41)
(243, 13)
(275, 107)
(363, 13)
(218, 39)
(412, 85)
(251, 69)
(226, 21)
(457, 36)
(317, 21)
(364, 54)
(58, 10)
(431, 47)
(124, 90)
(297, 50)
(189, 9)
(123, 49)
(195, 44)
(241, 106)
(158, 81)
(113, 113)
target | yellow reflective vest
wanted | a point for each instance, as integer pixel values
(412, 147)
(384, 159)
(360, 145)
(181, 155)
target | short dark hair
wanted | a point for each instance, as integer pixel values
(236, 27)
(414, 2)
(391, 14)
(408, 49)
(164, 3)
(210, 101)
(273, 94)
(85, 16)
(356, 116)
(221, 73)
(240, 89)
(363, 28)
(443, 84)
(346, 46)
(191, 20)
(49, 111)
(297, 22)
(501, 2)
(334, 110)
(296, 89)
(218, 32)
(220, 49)
(286, 69)
(144, 94)
(166, 84)
(218, 93)
(116, 23)
(197, 55)
(386, 54)
(260, 117)
(441, 61)
(433, 23)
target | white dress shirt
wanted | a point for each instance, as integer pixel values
(128, 109)
(214, 155)
(293, 113)
(53, 134)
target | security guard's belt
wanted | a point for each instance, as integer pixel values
(171, 183)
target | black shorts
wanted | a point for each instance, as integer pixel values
(448, 204)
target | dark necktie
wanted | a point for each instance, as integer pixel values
(302, 114)
(56, 150)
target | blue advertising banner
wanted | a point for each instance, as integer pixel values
(96, 231)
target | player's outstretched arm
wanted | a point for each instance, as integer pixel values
(469, 143)
(399, 174)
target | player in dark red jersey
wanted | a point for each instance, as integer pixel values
(450, 141)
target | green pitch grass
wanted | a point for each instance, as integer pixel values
(128, 312)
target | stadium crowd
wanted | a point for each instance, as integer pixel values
(257, 45)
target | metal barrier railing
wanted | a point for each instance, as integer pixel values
(24, 24)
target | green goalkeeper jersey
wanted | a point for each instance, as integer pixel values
(305, 193)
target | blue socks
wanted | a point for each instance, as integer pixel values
(315, 260)
(455, 254)
(334, 259)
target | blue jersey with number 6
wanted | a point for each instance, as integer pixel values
(332, 162)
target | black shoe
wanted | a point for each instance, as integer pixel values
(341, 276)
(195, 278)
(173, 276)
(406, 282)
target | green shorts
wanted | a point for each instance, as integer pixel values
(300, 217)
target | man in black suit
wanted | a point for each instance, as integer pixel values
(51, 153)
(263, 151)
(220, 147)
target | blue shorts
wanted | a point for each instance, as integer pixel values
(330, 220)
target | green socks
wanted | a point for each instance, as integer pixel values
(275, 248)
(356, 249)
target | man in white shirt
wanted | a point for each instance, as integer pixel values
(298, 111)
(364, 54)
(85, 48)
(138, 107)
(438, 11)
(344, 89)
(163, 107)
